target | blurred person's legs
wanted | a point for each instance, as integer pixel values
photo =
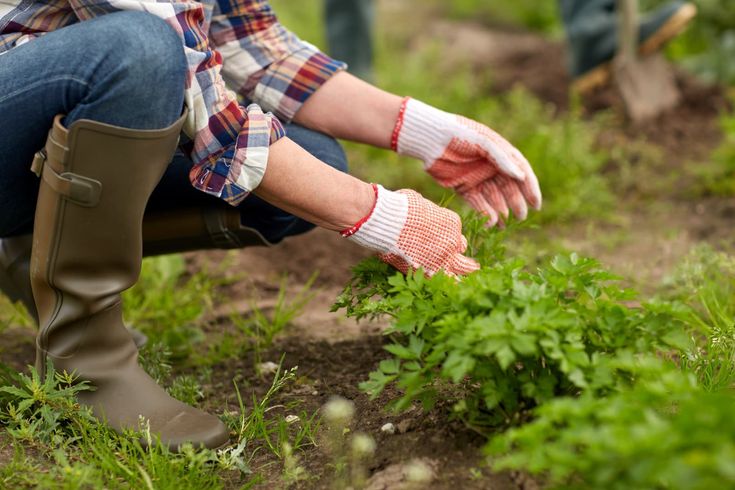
(111, 90)
(592, 33)
(349, 34)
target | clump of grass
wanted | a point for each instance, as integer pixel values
(537, 16)
(70, 449)
(706, 283)
(275, 427)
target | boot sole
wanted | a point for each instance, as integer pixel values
(602, 74)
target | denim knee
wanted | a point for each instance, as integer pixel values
(143, 65)
(150, 51)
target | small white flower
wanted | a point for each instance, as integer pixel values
(363, 444)
(418, 471)
(339, 411)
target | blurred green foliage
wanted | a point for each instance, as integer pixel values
(707, 48)
(717, 176)
(535, 15)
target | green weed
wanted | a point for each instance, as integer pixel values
(261, 328)
(706, 282)
(256, 425)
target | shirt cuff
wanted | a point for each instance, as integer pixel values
(286, 84)
(240, 169)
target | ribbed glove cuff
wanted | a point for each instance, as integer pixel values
(381, 229)
(421, 131)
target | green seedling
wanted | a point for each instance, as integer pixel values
(262, 327)
(262, 429)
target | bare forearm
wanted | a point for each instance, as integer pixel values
(348, 108)
(302, 185)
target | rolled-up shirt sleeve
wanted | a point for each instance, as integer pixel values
(227, 142)
(263, 61)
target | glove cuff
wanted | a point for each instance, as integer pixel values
(420, 131)
(381, 229)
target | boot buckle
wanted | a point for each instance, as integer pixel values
(76, 188)
(39, 160)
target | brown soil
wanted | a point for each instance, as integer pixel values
(334, 354)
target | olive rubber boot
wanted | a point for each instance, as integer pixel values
(15, 278)
(87, 249)
(164, 232)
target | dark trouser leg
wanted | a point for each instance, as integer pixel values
(175, 192)
(349, 34)
(590, 26)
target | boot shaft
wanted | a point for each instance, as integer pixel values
(87, 245)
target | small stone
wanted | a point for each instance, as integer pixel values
(290, 419)
(405, 425)
(388, 428)
(314, 393)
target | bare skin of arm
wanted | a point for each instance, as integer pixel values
(302, 185)
(346, 107)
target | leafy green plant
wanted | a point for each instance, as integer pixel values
(505, 339)
(42, 410)
(663, 433)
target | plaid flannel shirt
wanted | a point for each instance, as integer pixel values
(239, 42)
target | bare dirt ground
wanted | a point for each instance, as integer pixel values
(334, 354)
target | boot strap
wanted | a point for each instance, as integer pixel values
(222, 234)
(76, 188)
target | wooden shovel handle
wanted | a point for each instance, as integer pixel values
(628, 29)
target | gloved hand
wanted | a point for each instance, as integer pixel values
(464, 155)
(410, 232)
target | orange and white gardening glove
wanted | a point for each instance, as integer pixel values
(410, 232)
(464, 155)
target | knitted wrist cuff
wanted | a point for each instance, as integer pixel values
(381, 229)
(422, 131)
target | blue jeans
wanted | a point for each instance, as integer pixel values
(126, 69)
